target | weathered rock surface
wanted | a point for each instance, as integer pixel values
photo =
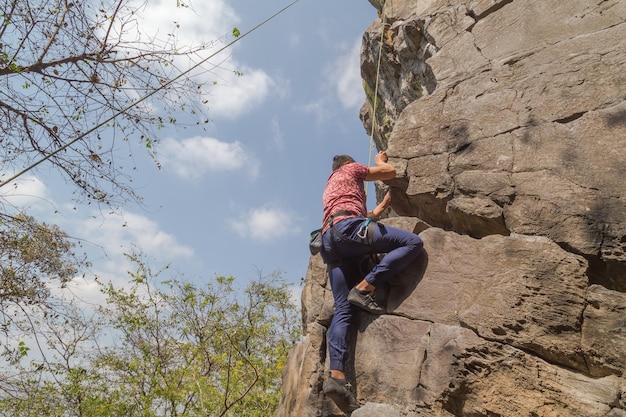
(506, 121)
(524, 131)
(503, 325)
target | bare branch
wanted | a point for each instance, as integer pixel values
(71, 74)
(53, 36)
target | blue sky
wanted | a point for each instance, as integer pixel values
(242, 195)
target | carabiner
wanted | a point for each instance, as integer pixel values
(362, 233)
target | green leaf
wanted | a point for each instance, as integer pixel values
(23, 349)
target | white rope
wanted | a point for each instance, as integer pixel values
(380, 54)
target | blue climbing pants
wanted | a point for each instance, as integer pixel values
(343, 254)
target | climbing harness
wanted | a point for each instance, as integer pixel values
(141, 99)
(365, 235)
(315, 240)
(365, 232)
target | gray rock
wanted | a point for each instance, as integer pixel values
(528, 120)
(506, 122)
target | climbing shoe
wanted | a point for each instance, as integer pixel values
(340, 391)
(364, 300)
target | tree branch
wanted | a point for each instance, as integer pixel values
(39, 67)
(7, 16)
(54, 35)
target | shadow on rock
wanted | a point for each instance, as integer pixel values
(403, 285)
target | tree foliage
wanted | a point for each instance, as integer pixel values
(32, 255)
(174, 349)
(29, 250)
(74, 76)
(71, 76)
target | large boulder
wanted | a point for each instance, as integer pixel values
(503, 324)
(506, 121)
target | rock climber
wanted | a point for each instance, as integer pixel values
(347, 238)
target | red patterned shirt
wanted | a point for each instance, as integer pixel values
(345, 192)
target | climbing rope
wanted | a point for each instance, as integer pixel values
(380, 54)
(136, 103)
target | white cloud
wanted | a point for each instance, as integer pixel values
(294, 40)
(234, 95)
(26, 192)
(107, 238)
(202, 21)
(342, 83)
(107, 241)
(321, 109)
(85, 291)
(266, 223)
(115, 233)
(233, 87)
(277, 135)
(147, 235)
(296, 296)
(347, 76)
(193, 157)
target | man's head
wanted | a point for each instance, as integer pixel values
(341, 160)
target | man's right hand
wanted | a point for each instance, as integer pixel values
(383, 170)
(381, 157)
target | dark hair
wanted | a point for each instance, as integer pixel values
(340, 160)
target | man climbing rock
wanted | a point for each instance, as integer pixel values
(349, 236)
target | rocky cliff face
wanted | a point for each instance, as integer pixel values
(506, 121)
